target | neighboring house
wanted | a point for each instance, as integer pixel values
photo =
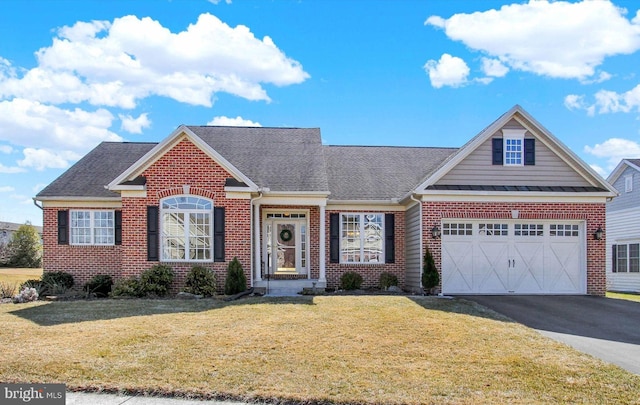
(7, 229)
(623, 228)
(513, 211)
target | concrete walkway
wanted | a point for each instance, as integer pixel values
(602, 327)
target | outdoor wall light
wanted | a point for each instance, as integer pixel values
(435, 232)
(598, 234)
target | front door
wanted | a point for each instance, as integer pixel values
(286, 246)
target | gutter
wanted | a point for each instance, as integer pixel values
(35, 202)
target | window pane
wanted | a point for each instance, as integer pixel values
(373, 238)
(622, 259)
(173, 236)
(81, 227)
(512, 151)
(103, 228)
(350, 238)
(199, 236)
(634, 258)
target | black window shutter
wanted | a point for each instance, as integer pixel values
(218, 234)
(497, 150)
(117, 227)
(63, 227)
(614, 258)
(529, 151)
(153, 240)
(334, 238)
(389, 238)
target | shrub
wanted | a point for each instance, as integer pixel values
(236, 282)
(127, 287)
(157, 280)
(37, 284)
(7, 289)
(430, 275)
(100, 285)
(201, 281)
(387, 280)
(56, 282)
(25, 249)
(350, 281)
(26, 295)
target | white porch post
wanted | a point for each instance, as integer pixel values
(258, 243)
(323, 276)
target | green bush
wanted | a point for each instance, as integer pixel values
(157, 280)
(350, 281)
(387, 280)
(430, 275)
(56, 282)
(200, 281)
(236, 282)
(100, 285)
(25, 249)
(127, 287)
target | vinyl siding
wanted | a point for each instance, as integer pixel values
(413, 253)
(626, 200)
(477, 168)
(622, 227)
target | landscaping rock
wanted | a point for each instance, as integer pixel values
(394, 289)
(188, 296)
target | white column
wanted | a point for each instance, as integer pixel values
(323, 275)
(258, 243)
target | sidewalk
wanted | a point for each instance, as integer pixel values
(83, 398)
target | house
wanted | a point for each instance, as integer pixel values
(513, 211)
(623, 228)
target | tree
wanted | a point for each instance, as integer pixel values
(430, 275)
(25, 249)
(236, 281)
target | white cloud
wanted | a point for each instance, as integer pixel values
(32, 124)
(38, 187)
(10, 170)
(118, 63)
(448, 71)
(233, 122)
(6, 189)
(6, 149)
(540, 37)
(494, 68)
(607, 101)
(134, 125)
(216, 2)
(599, 170)
(41, 159)
(577, 102)
(614, 150)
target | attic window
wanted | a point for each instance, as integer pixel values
(628, 183)
(513, 149)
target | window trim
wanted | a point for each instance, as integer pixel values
(616, 261)
(513, 135)
(92, 227)
(188, 212)
(362, 238)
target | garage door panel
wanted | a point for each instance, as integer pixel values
(563, 270)
(526, 271)
(457, 257)
(489, 264)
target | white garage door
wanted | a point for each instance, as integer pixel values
(513, 257)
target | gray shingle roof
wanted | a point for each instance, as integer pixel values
(98, 168)
(282, 159)
(379, 172)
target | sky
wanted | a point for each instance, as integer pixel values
(403, 73)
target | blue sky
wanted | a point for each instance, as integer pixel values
(411, 73)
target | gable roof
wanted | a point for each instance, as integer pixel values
(539, 132)
(379, 172)
(89, 176)
(624, 163)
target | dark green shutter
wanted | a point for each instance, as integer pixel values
(334, 238)
(497, 144)
(614, 258)
(529, 152)
(389, 238)
(218, 234)
(117, 228)
(153, 234)
(63, 227)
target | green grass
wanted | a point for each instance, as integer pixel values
(624, 296)
(344, 349)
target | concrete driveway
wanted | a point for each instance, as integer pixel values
(602, 327)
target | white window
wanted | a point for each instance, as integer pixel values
(563, 230)
(92, 227)
(513, 147)
(457, 229)
(626, 258)
(187, 229)
(628, 183)
(362, 238)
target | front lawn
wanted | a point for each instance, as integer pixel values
(18, 276)
(623, 296)
(365, 349)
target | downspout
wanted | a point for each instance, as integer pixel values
(254, 238)
(421, 244)
(35, 202)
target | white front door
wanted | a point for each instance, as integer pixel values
(513, 257)
(286, 246)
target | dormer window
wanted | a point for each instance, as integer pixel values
(513, 149)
